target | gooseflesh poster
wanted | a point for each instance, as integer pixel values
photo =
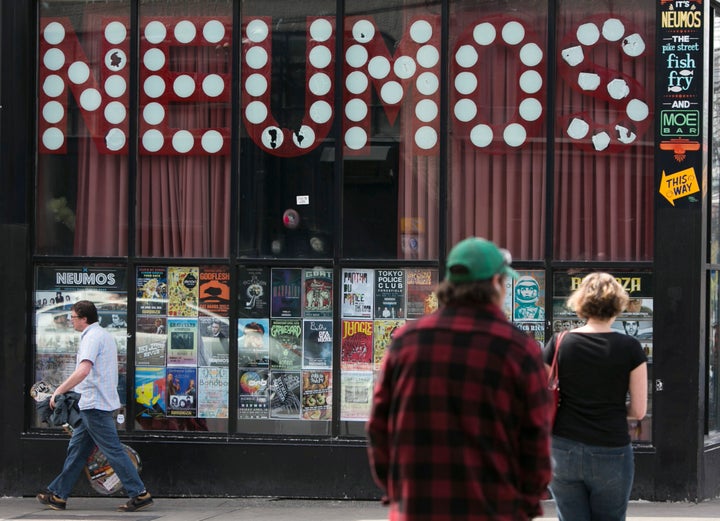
(214, 291)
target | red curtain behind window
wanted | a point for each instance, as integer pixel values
(183, 202)
(604, 201)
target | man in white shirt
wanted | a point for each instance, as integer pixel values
(95, 378)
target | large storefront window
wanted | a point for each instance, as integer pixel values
(285, 172)
(391, 129)
(604, 147)
(498, 141)
(57, 288)
(83, 121)
(287, 86)
(184, 122)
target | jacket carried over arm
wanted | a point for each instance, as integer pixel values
(66, 410)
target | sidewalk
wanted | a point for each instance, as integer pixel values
(274, 509)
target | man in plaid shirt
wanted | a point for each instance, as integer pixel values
(460, 425)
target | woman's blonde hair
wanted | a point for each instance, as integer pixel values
(599, 295)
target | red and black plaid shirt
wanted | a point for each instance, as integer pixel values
(460, 425)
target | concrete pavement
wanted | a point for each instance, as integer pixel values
(276, 509)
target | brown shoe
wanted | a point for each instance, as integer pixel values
(140, 502)
(51, 500)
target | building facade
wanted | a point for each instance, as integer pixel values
(256, 194)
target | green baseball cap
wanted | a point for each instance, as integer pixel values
(481, 260)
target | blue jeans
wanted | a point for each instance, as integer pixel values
(591, 483)
(97, 428)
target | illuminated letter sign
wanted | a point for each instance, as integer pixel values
(262, 128)
(163, 90)
(471, 104)
(415, 62)
(103, 106)
(625, 96)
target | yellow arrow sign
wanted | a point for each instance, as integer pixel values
(677, 185)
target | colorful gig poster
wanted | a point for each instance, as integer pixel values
(253, 293)
(181, 388)
(182, 341)
(317, 395)
(214, 292)
(383, 333)
(213, 388)
(285, 395)
(286, 289)
(150, 347)
(183, 299)
(529, 296)
(253, 342)
(357, 294)
(253, 396)
(150, 392)
(356, 395)
(317, 293)
(318, 344)
(356, 349)
(421, 298)
(151, 292)
(286, 340)
(389, 293)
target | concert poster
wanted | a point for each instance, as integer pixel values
(182, 341)
(317, 293)
(285, 395)
(150, 392)
(253, 342)
(357, 293)
(214, 292)
(389, 293)
(318, 344)
(152, 291)
(286, 338)
(286, 286)
(421, 297)
(213, 387)
(317, 395)
(356, 349)
(383, 333)
(253, 292)
(151, 344)
(183, 294)
(253, 394)
(181, 389)
(356, 395)
(213, 342)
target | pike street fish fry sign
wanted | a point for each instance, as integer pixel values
(679, 94)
